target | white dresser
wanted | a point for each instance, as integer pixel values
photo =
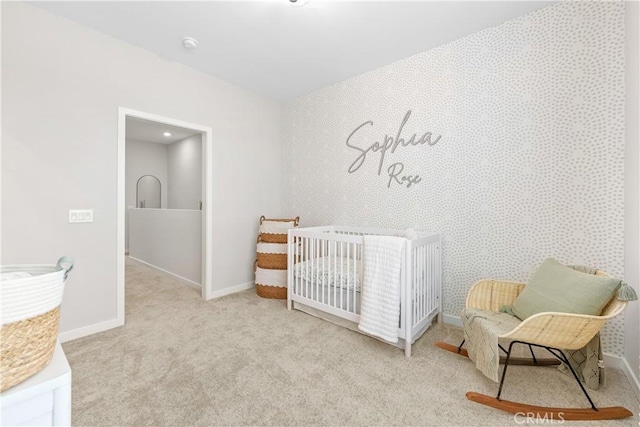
(42, 400)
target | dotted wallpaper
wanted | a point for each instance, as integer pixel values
(517, 156)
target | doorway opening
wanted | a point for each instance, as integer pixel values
(165, 215)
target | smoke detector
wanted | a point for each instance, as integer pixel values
(298, 2)
(190, 42)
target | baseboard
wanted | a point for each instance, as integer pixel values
(451, 320)
(89, 330)
(621, 363)
(167, 273)
(114, 323)
(610, 360)
(232, 290)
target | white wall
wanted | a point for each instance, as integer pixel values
(62, 85)
(530, 163)
(169, 239)
(632, 185)
(144, 158)
(184, 170)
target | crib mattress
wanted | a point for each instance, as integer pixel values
(331, 271)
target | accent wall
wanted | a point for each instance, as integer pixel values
(510, 142)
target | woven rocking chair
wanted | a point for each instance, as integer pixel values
(555, 332)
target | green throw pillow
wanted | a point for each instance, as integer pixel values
(556, 287)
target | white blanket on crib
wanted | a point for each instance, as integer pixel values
(380, 297)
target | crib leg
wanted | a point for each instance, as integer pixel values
(289, 304)
(407, 348)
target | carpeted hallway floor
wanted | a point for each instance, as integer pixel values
(243, 360)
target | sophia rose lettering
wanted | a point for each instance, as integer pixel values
(390, 144)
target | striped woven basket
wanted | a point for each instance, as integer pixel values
(272, 255)
(30, 312)
(271, 262)
(271, 283)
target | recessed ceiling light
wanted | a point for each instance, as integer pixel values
(167, 134)
(190, 42)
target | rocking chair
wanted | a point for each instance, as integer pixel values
(552, 331)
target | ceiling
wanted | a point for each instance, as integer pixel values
(144, 130)
(283, 50)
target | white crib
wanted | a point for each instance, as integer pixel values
(325, 271)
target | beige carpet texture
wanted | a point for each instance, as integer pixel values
(243, 360)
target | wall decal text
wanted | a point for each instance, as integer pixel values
(390, 144)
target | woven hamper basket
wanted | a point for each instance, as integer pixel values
(30, 312)
(271, 262)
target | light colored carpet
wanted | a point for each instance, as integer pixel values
(243, 360)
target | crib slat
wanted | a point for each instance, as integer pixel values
(330, 271)
(316, 254)
(421, 253)
(323, 256)
(419, 293)
(435, 276)
(335, 266)
(319, 271)
(324, 277)
(341, 275)
(417, 268)
(428, 277)
(419, 301)
(308, 267)
(355, 275)
(294, 285)
(348, 274)
(432, 276)
(297, 267)
(409, 289)
(424, 254)
(425, 273)
(423, 278)
(423, 291)
(414, 286)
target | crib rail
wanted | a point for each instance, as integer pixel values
(424, 267)
(325, 273)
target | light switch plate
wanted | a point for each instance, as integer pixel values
(80, 215)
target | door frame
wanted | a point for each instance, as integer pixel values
(207, 202)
